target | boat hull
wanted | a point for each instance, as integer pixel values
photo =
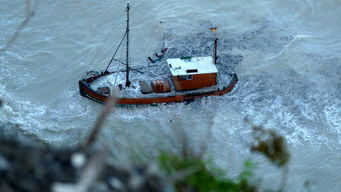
(88, 92)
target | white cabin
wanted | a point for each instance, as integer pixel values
(192, 72)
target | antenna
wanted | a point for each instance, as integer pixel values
(215, 57)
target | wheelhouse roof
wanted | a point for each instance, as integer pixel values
(191, 65)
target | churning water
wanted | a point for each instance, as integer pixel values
(286, 53)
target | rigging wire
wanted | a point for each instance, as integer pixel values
(139, 37)
(119, 45)
(117, 69)
(137, 33)
(118, 66)
(122, 52)
(106, 38)
(117, 26)
(102, 45)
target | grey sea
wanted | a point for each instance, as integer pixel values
(287, 55)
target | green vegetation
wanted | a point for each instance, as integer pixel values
(191, 174)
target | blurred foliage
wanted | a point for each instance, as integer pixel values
(191, 174)
(271, 145)
(247, 172)
(274, 148)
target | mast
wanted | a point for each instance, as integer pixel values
(127, 51)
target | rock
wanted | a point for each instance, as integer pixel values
(32, 167)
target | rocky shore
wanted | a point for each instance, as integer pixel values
(28, 166)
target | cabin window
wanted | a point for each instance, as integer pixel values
(192, 71)
(185, 77)
(186, 58)
(170, 65)
(182, 77)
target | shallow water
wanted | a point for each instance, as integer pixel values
(286, 53)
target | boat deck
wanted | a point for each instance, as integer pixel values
(157, 71)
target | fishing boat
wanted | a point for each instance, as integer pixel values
(163, 80)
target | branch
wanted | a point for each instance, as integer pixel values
(29, 14)
(110, 104)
